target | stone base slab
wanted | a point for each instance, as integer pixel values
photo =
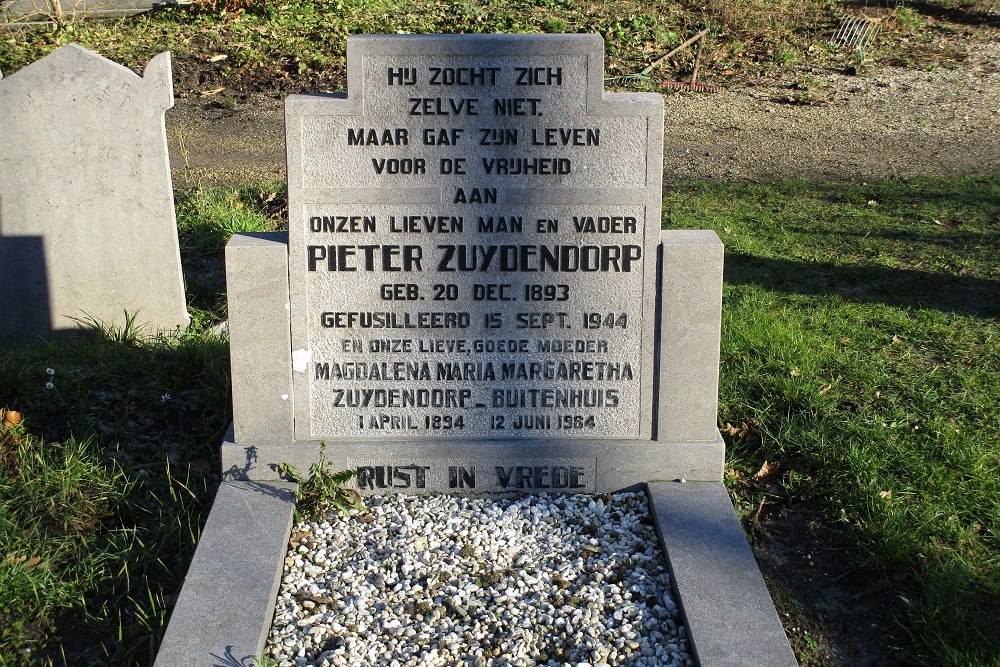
(461, 466)
(727, 609)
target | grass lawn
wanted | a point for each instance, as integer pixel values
(860, 347)
(861, 351)
(861, 359)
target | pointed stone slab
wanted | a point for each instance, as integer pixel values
(87, 225)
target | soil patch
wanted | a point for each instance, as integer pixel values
(894, 122)
(834, 611)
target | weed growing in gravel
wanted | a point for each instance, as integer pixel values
(323, 490)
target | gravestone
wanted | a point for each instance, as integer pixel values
(473, 259)
(87, 226)
(475, 296)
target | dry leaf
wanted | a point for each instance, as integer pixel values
(885, 495)
(731, 430)
(825, 388)
(896, 339)
(11, 418)
(217, 58)
(794, 372)
(322, 599)
(16, 560)
(768, 470)
(872, 202)
(209, 93)
(298, 536)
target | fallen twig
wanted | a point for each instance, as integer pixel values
(649, 68)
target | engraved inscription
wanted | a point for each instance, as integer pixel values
(472, 249)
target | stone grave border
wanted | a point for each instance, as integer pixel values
(224, 612)
(225, 609)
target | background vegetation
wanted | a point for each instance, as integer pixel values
(284, 46)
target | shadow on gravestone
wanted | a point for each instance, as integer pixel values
(24, 256)
(84, 169)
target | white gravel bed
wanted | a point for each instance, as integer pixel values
(445, 580)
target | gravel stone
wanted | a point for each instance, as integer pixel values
(447, 580)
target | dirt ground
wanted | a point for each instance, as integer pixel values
(814, 123)
(817, 124)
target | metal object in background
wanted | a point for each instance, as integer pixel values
(857, 32)
(690, 85)
(684, 45)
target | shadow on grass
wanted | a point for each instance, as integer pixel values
(985, 242)
(152, 410)
(904, 288)
(964, 13)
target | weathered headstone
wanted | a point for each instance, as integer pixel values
(87, 226)
(473, 253)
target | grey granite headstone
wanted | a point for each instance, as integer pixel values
(20, 12)
(87, 226)
(474, 294)
(472, 238)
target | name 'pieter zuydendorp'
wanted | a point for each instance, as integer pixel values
(451, 258)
